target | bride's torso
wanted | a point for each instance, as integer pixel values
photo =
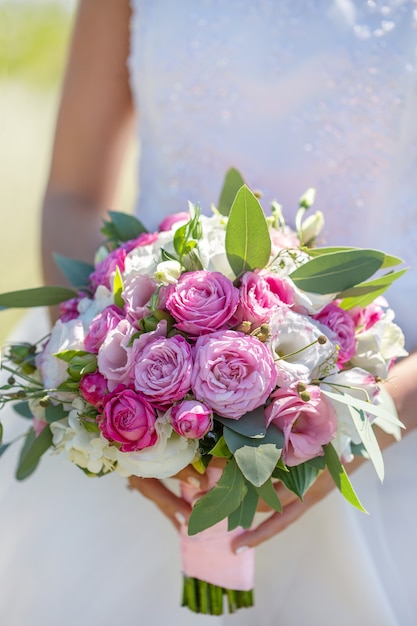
(294, 94)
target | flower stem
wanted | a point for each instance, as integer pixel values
(203, 597)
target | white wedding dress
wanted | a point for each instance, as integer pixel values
(295, 94)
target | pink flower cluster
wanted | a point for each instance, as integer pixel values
(205, 346)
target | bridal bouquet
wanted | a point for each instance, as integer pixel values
(226, 337)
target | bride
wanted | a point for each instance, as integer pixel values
(294, 95)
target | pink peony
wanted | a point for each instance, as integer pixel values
(341, 324)
(307, 425)
(191, 419)
(202, 301)
(173, 219)
(68, 310)
(233, 373)
(364, 318)
(93, 388)
(260, 293)
(144, 239)
(101, 325)
(163, 370)
(129, 419)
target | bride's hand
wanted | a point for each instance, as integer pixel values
(175, 508)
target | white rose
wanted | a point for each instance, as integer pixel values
(168, 272)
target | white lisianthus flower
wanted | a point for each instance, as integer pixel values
(88, 308)
(378, 346)
(310, 303)
(167, 457)
(357, 383)
(299, 353)
(311, 227)
(168, 272)
(212, 248)
(287, 261)
(88, 450)
(64, 336)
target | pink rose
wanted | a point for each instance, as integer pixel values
(163, 370)
(114, 359)
(93, 388)
(260, 293)
(341, 324)
(191, 419)
(170, 220)
(306, 425)
(202, 301)
(101, 325)
(233, 373)
(105, 269)
(129, 419)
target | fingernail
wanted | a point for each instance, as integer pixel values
(194, 482)
(241, 549)
(181, 519)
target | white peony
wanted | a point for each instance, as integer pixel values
(64, 336)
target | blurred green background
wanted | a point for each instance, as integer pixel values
(34, 39)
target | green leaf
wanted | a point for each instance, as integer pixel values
(118, 289)
(220, 501)
(1, 434)
(338, 473)
(379, 410)
(248, 243)
(269, 495)
(245, 512)
(33, 448)
(220, 449)
(365, 293)
(38, 296)
(54, 413)
(232, 183)
(22, 409)
(389, 260)
(122, 227)
(76, 272)
(337, 271)
(68, 355)
(256, 458)
(299, 478)
(3, 448)
(252, 424)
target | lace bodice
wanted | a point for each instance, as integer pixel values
(319, 93)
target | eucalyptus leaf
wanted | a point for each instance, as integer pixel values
(379, 410)
(122, 227)
(38, 296)
(256, 458)
(338, 473)
(337, 271)
(76, 272)
(220, 501)
(55, 412)
(1, 434)
(232, 183)
(389, 260)
(299, 478)
(245, 512)
(248, 243)
(3, 448)
(22, 409)
(365, 293)
(32, 450)
(369, 440)
(251, 424)
(269, 495)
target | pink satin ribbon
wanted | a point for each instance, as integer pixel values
(208, 555)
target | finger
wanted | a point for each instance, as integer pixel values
(173, 507)
(192, 477)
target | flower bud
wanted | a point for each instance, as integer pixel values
(311, 227)
(307, 199)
